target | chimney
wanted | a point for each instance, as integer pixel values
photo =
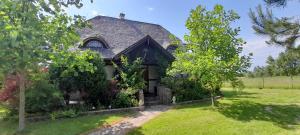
(122, 16)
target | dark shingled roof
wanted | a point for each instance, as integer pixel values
(120, 34)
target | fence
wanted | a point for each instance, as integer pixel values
(271, 82)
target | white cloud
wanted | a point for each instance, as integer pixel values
(150, 8)
(95, 13)
(261, 51)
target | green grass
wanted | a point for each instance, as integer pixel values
(252, 112)
(3, 111)
(72, 126)
(279, 82)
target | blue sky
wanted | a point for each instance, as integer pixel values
(172, 14)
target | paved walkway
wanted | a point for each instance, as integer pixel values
(130, 123)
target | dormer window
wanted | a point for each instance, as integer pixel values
(94, 44)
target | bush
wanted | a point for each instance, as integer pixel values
(130, 80)
(43, 97)
(184, 89)
(72, 78)
(124, 99)
(8, 93)
(64, 114)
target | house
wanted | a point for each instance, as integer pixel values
(114, 37)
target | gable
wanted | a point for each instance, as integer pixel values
(148, 50)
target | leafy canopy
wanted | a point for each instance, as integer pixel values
(32, 32)
(35, 31)
(284, 31)
(212, 53)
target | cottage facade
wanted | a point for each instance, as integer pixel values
(114, 37)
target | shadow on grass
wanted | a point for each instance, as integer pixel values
(230, 95)
(238, 94)
(285, 116)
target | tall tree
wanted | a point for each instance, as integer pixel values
(212, 53)
(260, 72)
(289, 63)
(284, 31)
(32, 32)
(271, 66)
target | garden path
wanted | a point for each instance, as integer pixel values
(123, 127)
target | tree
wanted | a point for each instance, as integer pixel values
(92, 85)
(283, 31)
(289, 63)
(212, 53)
(260, 72)
(271, 66)
(31, 33)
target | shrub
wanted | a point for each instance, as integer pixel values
(64, 114)
(130, 81)
(43, 97)
(184, 89)
(8, 93)
(124, 99)
(92, 85)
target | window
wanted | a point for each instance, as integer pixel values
(171, 48)
(94, 44)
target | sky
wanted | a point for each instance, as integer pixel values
(172, 15)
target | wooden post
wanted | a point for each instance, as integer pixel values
(141, 99)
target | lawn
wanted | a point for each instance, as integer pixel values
(252, 112)
(71, 126)
(279, 82)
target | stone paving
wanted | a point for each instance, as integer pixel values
(124, 126)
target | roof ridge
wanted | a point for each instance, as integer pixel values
(123, 20)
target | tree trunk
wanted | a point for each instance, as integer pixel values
(22, 101)
(263, 83)
(292, 81)
(212, 99)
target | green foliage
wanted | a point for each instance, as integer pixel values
(124, 99)
(130, 81)
(212, 53)
(71, 76)
(271, 68)
(64, 114)
(287, 64)
(31, 33)
(130, 74)
(282, 31)
(43, 97)
(184, 89)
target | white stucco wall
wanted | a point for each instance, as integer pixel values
(109, 69)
